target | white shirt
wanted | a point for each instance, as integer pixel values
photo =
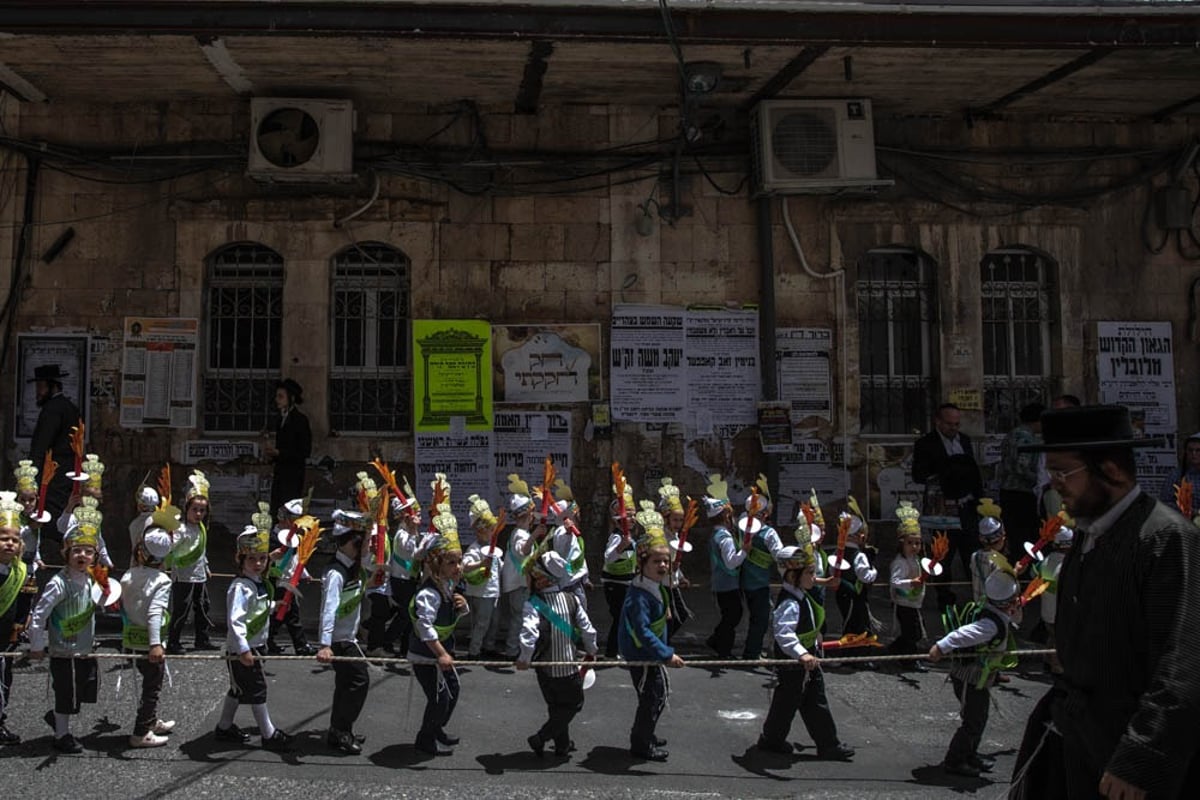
(74, 589)
(978, 632)
(334, 628)
(953, 446)
(239, 599)
(561, 647)
(426, 604)
(136, 529)
(511, 578)
(145, 595)
(566, 544)
(863, 569)
(186, 538)
(731, 555)
(786, 617)
(404, 545)
(473, 558)
(904, 574)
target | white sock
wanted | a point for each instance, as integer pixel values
(62, 725)
(263, 718)
(227, 712)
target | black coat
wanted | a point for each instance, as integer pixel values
(293, 440)
(53, 434)
(958, 475)
(1128, 636)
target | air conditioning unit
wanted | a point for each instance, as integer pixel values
(813, 146)
(301, 140)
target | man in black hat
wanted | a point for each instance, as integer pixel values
(293, 445)
(53, 433)
(1124, 709)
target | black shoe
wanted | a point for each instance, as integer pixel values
(204, 645)
(840, 752)
(784, 748)
(231, 734)
(537, 745)
(306, 650)
(960, 768)
(279, 742)
(431, 747)
(175, 650)
(274, 649)
(982, 763)
(447, 739)
(7, 736)
(653, 754)
(343, 741)
(67, 744)
(561, 750)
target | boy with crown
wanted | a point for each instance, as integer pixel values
(482, 565)
(990, 555)
(642, 635)
(282, 571)
(248, 604)
(553, 622)
(620, 560)
(146, 501)
(379, 609)
(765, 545)
(435, 611)
(188, 561)
(64, 624)
(855, 588)
(342, 592)
(146, 594)
(12, 580)
(514, 589)
(403, 568)
(31, 540)
(91, 492)
(796, 621)
(670, 505)
(726, 553)
(907, 585)
(567, 541)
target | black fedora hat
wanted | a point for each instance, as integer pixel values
(292, 389)
(48, 372)
(1089, 428)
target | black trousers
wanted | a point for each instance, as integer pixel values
(76, 681)
(377, 622)
(351, 680)
(854, 609)
(564, 699)
(614, 596)
(758, 602)
(973, 711)
(189, 599)
(397, 631)
(441, 696)
(909, 640)
(1021, 523)
(291, 620)
(6, 677)
(247, 684)
(650, 683)
(729, 604)
(962, 543)
(152, 681)
(800, 691)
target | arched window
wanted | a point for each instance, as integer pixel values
(244, 315)
(896, 335)
(1015, 293)
(370, 380)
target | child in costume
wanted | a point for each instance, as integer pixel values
(91, 492)
(620, 563)
(990, 555)
(12, 581)
(726, 553)
(642, 635)
(990, 634)
(765, 544)
(796, 622)
(64, 624)
(403, 570)
(435, 610)
(146, 501)
(567, 541)
(188, 561)
(146, 595)
(379, 610)
(341, 609)
(482, 565)
(553, 621)
(853, 592)
(248, 604)
(670, 505)
(31, 550)
(908, 585)
(1048, 570)
(279, 572)
(514, 590)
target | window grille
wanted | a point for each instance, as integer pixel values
(370, 381)
(897, 325)
(244, 310)
(1016, 334)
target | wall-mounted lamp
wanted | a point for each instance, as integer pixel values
(701, 77)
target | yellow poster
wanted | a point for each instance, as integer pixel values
(452, 374)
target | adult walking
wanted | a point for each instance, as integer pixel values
(293, 445)
(1124, 710)
(944, 460)
(52, 434)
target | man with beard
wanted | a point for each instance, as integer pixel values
(1120, 721)
(53, 433)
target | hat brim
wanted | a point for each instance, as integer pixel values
(1104, 444)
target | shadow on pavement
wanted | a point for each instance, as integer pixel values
(934, 775)
(520, 761)
(401, 756)
(765, 764)
(613, 761)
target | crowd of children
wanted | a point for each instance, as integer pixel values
(524, 596)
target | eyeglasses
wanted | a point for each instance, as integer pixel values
(1060, 476)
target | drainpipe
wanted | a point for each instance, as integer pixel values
(766, 326)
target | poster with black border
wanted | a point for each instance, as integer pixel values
(70, 352)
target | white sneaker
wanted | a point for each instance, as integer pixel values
(164, 726)
(151, 739)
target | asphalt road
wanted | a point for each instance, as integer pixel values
(899, 723)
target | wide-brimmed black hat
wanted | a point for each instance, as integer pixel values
(48, 372)
(293, 389)
(1089, 428)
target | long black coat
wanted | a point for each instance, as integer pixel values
(293, 440)
(1128, 636)
(52, 433)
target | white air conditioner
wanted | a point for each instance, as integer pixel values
(301, 140)
(813, 146)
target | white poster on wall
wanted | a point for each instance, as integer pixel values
(465, 459)
(721, 350)
(545, 368)
(810, 467)
(648, 376)
(802, 371)
(523, 440)
(159, 373)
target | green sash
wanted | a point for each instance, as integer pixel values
(760, 558)
(348, 601)
(444, 632)
(657, 626)
(69, 627)
(808, 639)
(578, 562)
(12, 585)
(554, 618)
(622, 565)
(192, 555)
(137, 637)
(260, 614)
